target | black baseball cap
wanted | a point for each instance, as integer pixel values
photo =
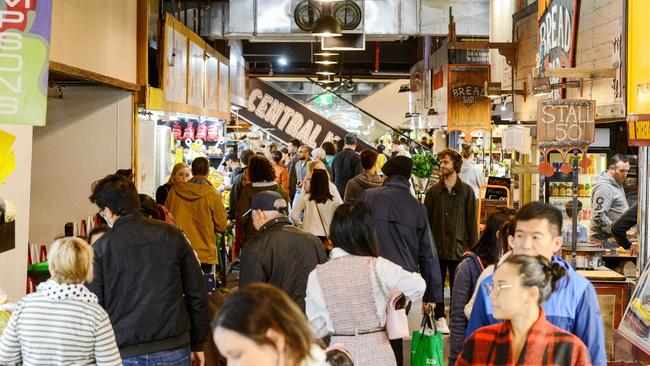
(267, 201)
(227, 157)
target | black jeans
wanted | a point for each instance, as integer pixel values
(445, 265)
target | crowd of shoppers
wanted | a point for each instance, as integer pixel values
(139, 295)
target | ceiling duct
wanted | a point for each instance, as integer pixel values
(289, 20)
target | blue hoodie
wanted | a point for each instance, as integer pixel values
(572, 307)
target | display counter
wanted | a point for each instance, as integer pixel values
(613, 292)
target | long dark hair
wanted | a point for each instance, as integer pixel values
(487, 247)
(260, 170)
(254, 310)
(353, 229)
(319, 186)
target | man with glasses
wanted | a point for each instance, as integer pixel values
(573, 306)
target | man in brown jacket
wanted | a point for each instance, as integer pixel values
(199, 212)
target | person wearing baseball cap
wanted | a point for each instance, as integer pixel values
(279, 253)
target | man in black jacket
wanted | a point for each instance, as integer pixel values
(403, 233)
(148, 280)
(280, 253)
(451, 207)
(346, 164)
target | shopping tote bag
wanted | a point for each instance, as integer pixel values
(426, 344)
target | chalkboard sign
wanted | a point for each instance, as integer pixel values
(495, 193)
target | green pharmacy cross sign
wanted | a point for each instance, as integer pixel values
(24, 52)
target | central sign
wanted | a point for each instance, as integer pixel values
(286, 118)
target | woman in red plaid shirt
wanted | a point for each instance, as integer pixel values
(521, 284)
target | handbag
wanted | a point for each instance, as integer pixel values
(397, 323)
(327, 244)
(426, 345)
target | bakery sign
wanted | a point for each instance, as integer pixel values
(468, 109)
(557, 32)
(564, 126)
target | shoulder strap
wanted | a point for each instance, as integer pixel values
(321, 218)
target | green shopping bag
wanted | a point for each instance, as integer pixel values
(426, 344)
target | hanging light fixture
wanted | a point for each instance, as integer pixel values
(324, 71)
(326, 25)
(326, 54)
(326, 62)
(323, 79)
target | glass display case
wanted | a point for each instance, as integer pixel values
(558, 189)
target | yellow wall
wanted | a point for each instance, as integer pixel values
(638, 56)
(96, 35)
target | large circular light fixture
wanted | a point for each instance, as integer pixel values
(326, 26)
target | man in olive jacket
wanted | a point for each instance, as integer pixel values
(199, 211)
(451, 207)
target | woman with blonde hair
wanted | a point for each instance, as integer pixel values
(318, 164)
(180, 173)
(75, 330)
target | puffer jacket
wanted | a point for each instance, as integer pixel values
(149, 282)
(403, 232)
(608, 203)
(199, 211)
(355, 187)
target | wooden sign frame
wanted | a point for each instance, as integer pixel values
(475, 115)
(173, 106)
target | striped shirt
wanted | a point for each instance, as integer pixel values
(59, 325)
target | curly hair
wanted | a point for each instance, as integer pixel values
(260, 170)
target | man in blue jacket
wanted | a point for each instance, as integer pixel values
(573, 306)
(403, 233)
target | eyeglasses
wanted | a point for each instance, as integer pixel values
(496, 288)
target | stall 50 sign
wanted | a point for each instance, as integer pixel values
(566, 122)
(24, 50)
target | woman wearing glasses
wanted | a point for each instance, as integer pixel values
(521, 284)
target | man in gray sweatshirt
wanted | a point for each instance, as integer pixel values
(608, 200)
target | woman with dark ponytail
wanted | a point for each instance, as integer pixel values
(521, 284)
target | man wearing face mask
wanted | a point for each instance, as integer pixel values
(146, 274)
(573, 307)
(279, 253)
